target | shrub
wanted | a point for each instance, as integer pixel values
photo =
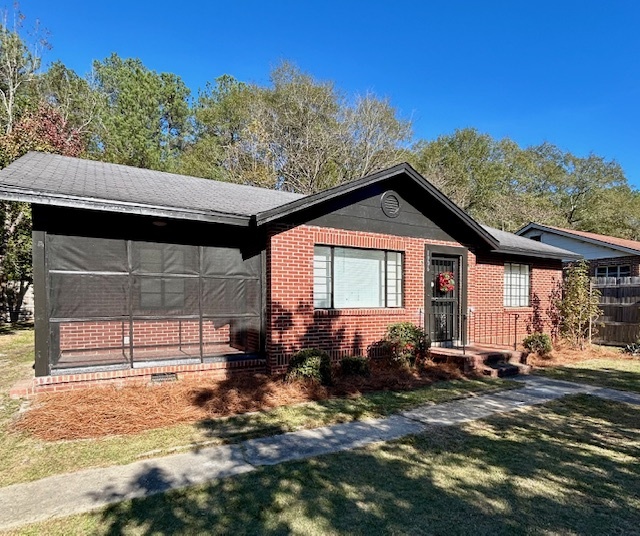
(406, 343)
(578, 307)
(355, 366)
(310, 364)
(538, 342)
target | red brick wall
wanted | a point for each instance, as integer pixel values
(111, 337)
(489, 321)
(294, 324)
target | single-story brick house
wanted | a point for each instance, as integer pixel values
(140, 272)
(608, 256)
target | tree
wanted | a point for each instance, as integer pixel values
(376, 137)
(73, 97)
(297, 134)
(578, 306)
(506, 186)
(145, 114)
(221, 114)
(43, 130)
(468, 167)
(19, 64)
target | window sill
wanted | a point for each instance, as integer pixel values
(375, 311)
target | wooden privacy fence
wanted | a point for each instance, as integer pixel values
(620, 303)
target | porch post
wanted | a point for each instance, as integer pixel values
(41, 309)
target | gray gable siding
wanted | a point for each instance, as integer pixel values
(575, 245)
(362, 211)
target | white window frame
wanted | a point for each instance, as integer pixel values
(326, 268)
(517, 285)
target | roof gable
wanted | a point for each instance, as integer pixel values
(401, 171)
(631, 247)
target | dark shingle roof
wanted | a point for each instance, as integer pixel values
(512, 243)
(74, 182)
(65, 177)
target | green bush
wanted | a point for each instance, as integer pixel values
(355, 366)
(406, 343)
(310, 364)
(539, 343)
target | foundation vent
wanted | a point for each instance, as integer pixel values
(163, 377)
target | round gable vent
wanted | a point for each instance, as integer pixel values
(390, 204)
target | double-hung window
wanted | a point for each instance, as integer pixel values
(517, 285)
(351, 278)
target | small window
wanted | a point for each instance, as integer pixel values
(351, 278)
(517, 285)
(613, 271)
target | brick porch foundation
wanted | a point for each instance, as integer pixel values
(138, 376)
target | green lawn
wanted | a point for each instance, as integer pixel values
(569, 467)
(616, 373)
(24, 458)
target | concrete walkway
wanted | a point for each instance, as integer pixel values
(87, 490)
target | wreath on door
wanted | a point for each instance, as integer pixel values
(446, 281)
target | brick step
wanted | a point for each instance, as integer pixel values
(484, 360)
(504, 370)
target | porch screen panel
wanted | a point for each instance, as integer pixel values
(231, 301)
(130, 303)
(229, 262)
(230, 336)
(80, 296)
(154, 296)
(88, 286)
(79, 253)
(230, 297)
(157, 258)
(165, 302)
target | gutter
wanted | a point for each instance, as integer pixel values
(122, 207)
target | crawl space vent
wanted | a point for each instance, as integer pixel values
(161, 377)
(390, 204)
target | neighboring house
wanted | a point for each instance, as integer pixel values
(608, 256)
(614, 265)
(139, 272)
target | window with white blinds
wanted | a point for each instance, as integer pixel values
(516, 285)
(351, 278)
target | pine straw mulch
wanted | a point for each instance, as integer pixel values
(100, 412)
(563, 354)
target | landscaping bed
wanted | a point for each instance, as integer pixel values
(104, 411)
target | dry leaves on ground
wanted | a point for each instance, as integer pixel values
(99, 412)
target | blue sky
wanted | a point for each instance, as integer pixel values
(562, 71)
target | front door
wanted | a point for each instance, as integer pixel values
(443, 313)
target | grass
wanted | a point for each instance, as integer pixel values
(569, 467)
(25, 458)
(621, 374)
